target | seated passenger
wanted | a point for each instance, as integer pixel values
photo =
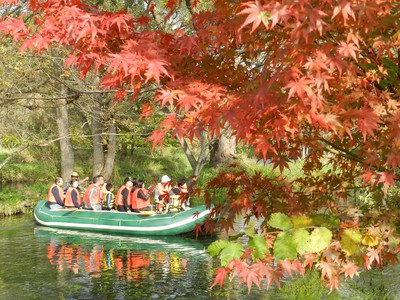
(56, 195)
(183, 192)
(164, 191)
(74, 176)
(141, 199)
(123, 198)
(93, 195)
(108, 197)
(72, 197)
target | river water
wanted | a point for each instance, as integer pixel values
(42, 263)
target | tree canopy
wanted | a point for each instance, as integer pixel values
(284, 75)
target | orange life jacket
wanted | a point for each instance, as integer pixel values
(119, 199)
(86, 198)
(139, 203)
(68, 197)
(50, 196)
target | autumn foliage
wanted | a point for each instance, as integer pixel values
(285, 76)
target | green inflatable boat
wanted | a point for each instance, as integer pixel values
(121, 222)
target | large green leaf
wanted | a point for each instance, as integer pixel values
(320, 238)
(280, 221)
(301, 221)
(350, 241)
(301, 238)
(249, 230)
(284, 246)
(259, 244)
(216, 247)
(231, 251)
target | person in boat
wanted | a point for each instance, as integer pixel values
(124, 195)
(108, 197)
(74, 176)
(182, 190)
(93, 196)
(141, 197)
(72, 196)
(56, 194)
(164, 192)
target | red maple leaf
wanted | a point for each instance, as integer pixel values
(255, 13)
(221, 274)
(349, 269)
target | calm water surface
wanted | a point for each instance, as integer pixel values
(41, 263)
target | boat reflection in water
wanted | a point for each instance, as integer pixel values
(121, 259)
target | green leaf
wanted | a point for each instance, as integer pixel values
(280, 221)
(249, 230)
(259, 244)
(284, 246)
(320, 238)
(216, 247)
(231, 251)
(301, 221)
(301, 238)
(350, 241)
(318, 219)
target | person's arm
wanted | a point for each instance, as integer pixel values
(125, 195)
(143, 196)
(92, 195)
(56, 195)
(108, 201)
(74, 196)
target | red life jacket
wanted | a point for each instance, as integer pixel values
(119, 199)
(50, 196)
(139, 203)
(68, 197)
(86, 198)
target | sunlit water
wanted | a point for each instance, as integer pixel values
(42, 263)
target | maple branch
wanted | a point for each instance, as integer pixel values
(340, 151)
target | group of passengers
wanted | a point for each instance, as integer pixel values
(132, 196)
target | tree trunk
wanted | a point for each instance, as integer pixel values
(111, 148)
(98, 154)
(67, 152)
(223, 149)
(197, 164)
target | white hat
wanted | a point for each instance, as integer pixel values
(74, 174)
(165, 179)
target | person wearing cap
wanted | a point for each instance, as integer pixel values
(74, 176)
(164, 191)
(123, 198)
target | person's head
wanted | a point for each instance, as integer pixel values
(59, 181)
(128, 181)
(74, 176)
(75, 183)
(109, 187)
(98, 180)
(165, 180)
(140, 183)
(181, 181)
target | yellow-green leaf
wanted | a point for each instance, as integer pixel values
(284, 246)
(350, 241)
(301, 221)
(280, 221)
